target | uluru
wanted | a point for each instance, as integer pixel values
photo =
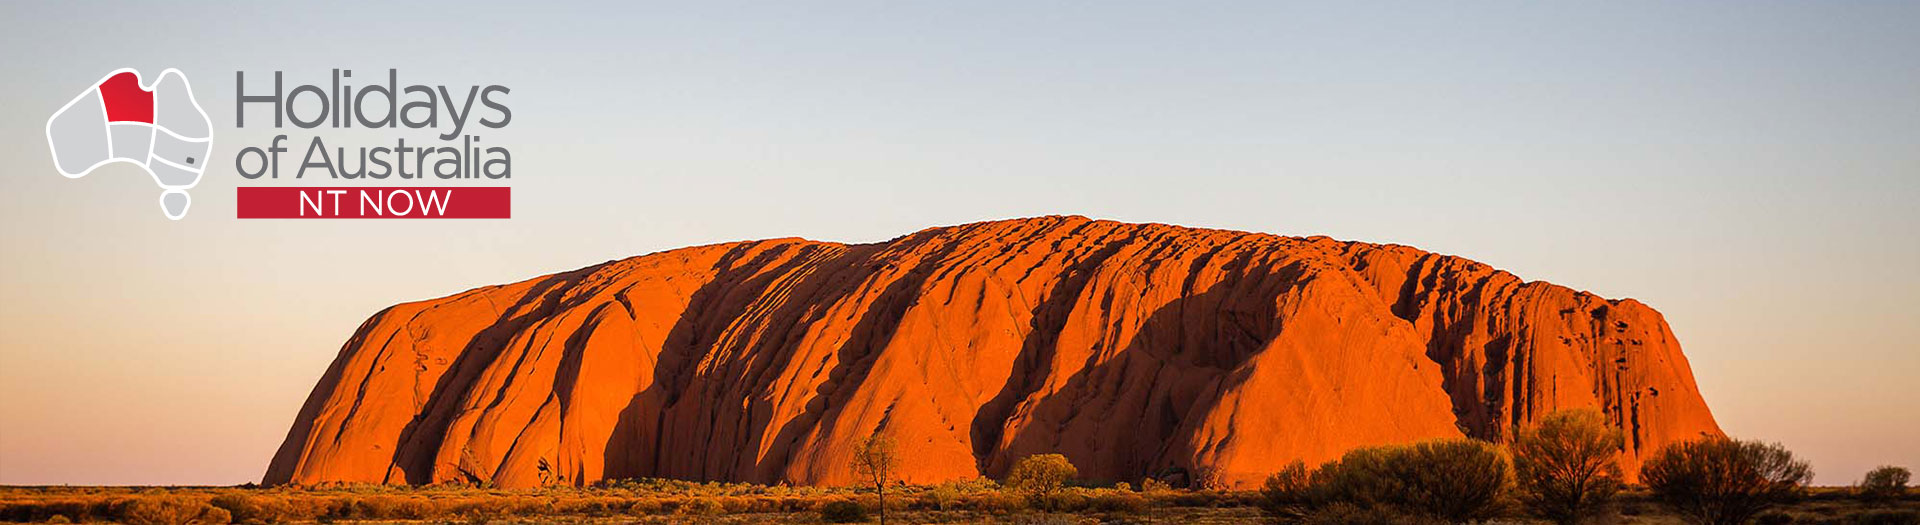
(1206, 357)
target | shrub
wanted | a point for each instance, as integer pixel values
(642, 507)
(737, 504)
(80, 510)
(941, 496)
(1285, 494)
(1362, 477)
(1885, 482)
(1458, 480)
(1343, 513)
(307, 507)
(843, 511)
(698, 506)
(1196, 498)
(1041, 473)
(248, 507)
(1455, 480)
(1568, 466)
(1058, 501)
(387, 506)
(1045, 519)
(1120, 501)
(999, 502)
(1888, 517)
(163, 510)
(1720, 481)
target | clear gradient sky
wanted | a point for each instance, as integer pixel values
(1750, 169)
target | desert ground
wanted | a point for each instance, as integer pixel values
(664, 501)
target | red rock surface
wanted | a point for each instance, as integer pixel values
(1133, 349)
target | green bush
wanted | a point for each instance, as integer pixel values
(1885, 482)
(1456, 480)
(1720, 481)
(1365, 477)
(843, 511)
(1567, 466)
(1287, 494)
(1041, 473)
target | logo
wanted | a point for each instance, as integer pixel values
(158, 127)
(422, 169)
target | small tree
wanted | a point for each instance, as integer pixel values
(1720, 481)
(1568, 465)
(874, 460)
(1886, 482)
(1286, 494)
(1041, 473)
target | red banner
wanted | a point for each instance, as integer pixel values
(374, 203)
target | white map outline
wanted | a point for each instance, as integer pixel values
(106, 126)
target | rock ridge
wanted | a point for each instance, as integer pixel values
(1201, 356)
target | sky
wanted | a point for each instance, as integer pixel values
(1748, 169)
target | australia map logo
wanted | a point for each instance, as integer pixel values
(156, 126)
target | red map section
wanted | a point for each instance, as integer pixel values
(126, 102)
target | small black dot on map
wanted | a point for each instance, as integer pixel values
(189, 160)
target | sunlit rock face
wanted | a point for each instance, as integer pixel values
(1204, 356)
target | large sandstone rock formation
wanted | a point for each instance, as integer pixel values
(1133, 349)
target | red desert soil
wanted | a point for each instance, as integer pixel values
(1134, 349)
